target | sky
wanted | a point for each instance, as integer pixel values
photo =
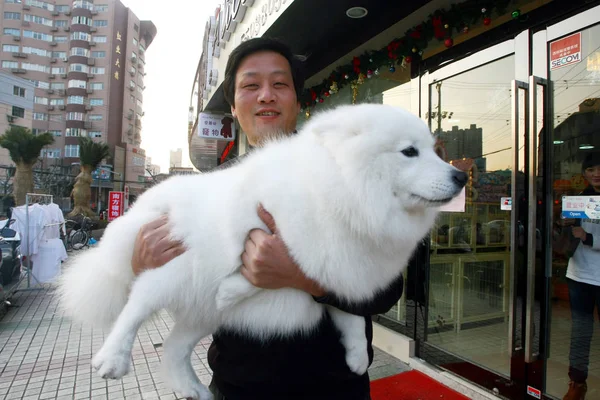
(168, 82)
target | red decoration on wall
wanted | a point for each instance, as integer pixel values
(448, 42)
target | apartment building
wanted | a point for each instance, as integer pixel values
(86, 61)
(16, 107)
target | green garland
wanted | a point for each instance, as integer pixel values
(441, 25)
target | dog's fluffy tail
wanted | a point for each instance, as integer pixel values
(94, 286)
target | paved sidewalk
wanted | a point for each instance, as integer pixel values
(44, 356)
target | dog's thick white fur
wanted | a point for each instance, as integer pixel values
(352, 194)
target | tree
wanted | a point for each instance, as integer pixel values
(24, 148)
(91, 155)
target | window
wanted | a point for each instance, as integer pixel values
(56, 133)
(59, 54)
(37, 35)
(75, 100)
(10, 64)
(81, 20)
(37, 20)
(95, 117)
(98, 54)
(83, 4)
(96, 102)
(60, 23)
(56, 117)
(12, 15)
(40, 100)
(57, 102)
(98, 70)
(79, 51)
(57, 85)
(72, 150)
(18, 112)
(79, 68)
(41, 4)
(77, 84)
(40, 116)
(97, 86)
(62, 8)
(10, 48)
(100, 23)
(12, 31)
(13, 1)
(40, 84)
(51, 153)
(60, 39)
(81, 36)
(58, 70)
(136, 28)
(99, 39)
(19, 91)
(139, 161)
(95, 134)
(101, 7)
(35, 67)
(75, 132)
(74, 116)
(36, 51)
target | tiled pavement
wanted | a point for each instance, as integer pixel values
(44, 356)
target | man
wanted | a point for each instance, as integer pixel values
(262, 83)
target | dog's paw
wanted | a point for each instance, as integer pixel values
(111, 365)
(357, 360)
(195, 392)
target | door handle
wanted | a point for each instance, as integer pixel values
(517, 138)
(534, 83)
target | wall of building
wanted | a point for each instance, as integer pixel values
(7, 100)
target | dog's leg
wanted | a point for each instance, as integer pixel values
(149, 293)
(353, 338)
(233, 289)
(177, 368)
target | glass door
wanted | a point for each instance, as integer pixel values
(568, 55)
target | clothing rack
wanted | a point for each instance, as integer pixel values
(31, 198)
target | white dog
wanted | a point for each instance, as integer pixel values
(352, 195)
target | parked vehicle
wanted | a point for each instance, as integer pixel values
(10, 245)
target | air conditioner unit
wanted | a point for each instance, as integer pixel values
(87, 124)
(19, 55)
(55, 13)
(50, 91)
(89, 90)
(50, 107)
(90, 76)
(67, 28)
(62, 92)
(65, 59)
(93, 29)
(18, 70)
(54, 29)
(92, 44)
(67, 12)
(10, 117)
(91, 61)
(16, 38)
(51, 76)
(53, 44)
(89, 107)
(53, 60)
(65, 76)
(26, 7)
(94, 12)
(25, 23)
(61, 107)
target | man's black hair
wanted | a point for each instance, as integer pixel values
(591, 160)
(256, 45)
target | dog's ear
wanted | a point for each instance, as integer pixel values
(327, 124)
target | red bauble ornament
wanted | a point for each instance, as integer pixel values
(487, 21)
(320, 100)
(448, 42)
(326, 94)
(408, 59)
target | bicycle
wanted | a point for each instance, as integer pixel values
(78, 234)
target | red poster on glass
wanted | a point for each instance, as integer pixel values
(565, 51)
(115, 205)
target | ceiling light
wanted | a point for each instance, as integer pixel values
(559, 141)
(357, 12)
(585, 147)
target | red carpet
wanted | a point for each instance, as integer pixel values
(412, 385)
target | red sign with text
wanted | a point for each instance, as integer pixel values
(565, 51)
(115, 205)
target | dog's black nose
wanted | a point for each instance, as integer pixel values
(460, 178)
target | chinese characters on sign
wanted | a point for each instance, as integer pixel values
(115, 205)
(565, 51)
(216, 126)
(118, 62)
(581, 207)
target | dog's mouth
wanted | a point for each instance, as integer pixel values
(431, 202)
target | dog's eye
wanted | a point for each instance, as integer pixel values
(410, 152)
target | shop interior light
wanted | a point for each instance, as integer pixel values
(559, 141)
(357, 12)
(585, 147)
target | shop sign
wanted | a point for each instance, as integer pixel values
(506, 203)
(216, 126)
(457, 204)
(581, 207)
(565, 51)
(115, 205)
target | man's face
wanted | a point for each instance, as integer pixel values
(592, 175)
(265, 99)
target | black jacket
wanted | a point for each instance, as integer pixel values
(297, 367)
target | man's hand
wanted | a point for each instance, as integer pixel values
(153, 246)
(267, 263)
(579, 232)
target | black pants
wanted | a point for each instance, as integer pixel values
(583, 298)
